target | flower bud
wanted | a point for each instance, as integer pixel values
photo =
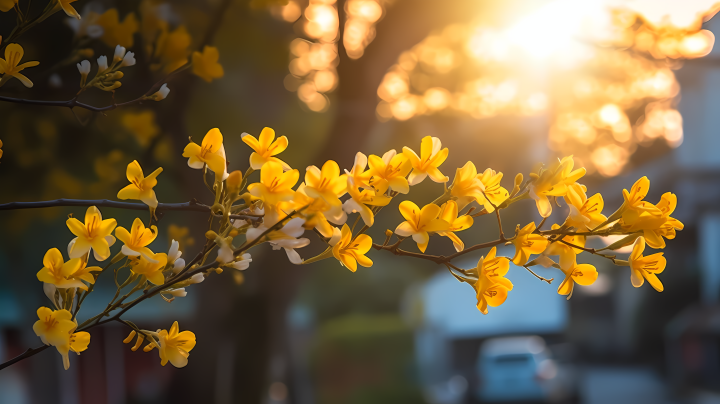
(129, 337)
(233, 233)
(84, 67)
(210, 235)
(233, 181)
(139, 342)
(197, 278)
(160, 94)
(178, 292)
(518, 179)
(128, 60)
(119, 54)
(102, 64)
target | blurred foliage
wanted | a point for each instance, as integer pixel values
(365, 359)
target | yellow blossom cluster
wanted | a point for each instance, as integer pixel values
(277, 207)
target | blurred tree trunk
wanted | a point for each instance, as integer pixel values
(255, 319)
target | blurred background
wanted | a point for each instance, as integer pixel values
(630, 88)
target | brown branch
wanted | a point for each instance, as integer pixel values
(192, 206)
(438, 259)
(590, 250)
(72, 103)
(30, 352)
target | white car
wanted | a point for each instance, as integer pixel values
(520, 369)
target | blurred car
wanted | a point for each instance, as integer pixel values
(521, 369)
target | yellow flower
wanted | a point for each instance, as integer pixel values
(85, 272)
(635, 209)
(7, 5)
(55, 327)
(115, 32)
(68, 9)
(205, 65)
(570, 176)
(557, 180)
(494, 267)
(181, 234)
(583, 274)
(153, 271)
(212, 153)
(327, 184)
(567, 253)
(419, 222)
(389, 172)
(466, 186)
(431, 157)
(351, 252)
(585, 213)
(9, 66)
(655, 227)
(493, 191)
(95, 234)
(142, 125)
(360, 176)
(360, 199)
(137, 240)
(317, 211)
(175, 346)
(141, 187)
(265, 148)
(449, 213)
(642, 267)
(63, 274)
(491, 293)
(275, 185)
(526, 243)
(172, 48)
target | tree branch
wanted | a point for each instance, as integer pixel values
(191, 206)
(72, 103)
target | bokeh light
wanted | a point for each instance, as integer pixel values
(601, 70)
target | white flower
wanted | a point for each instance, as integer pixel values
(286, 238)
(102, 63)
(180, 292)
(119, 54)
(84, 67)
(128, 60)
(174, 257)
(243, 264)
(161, 93)
(197, 278)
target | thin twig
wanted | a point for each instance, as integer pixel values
(549, 281)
